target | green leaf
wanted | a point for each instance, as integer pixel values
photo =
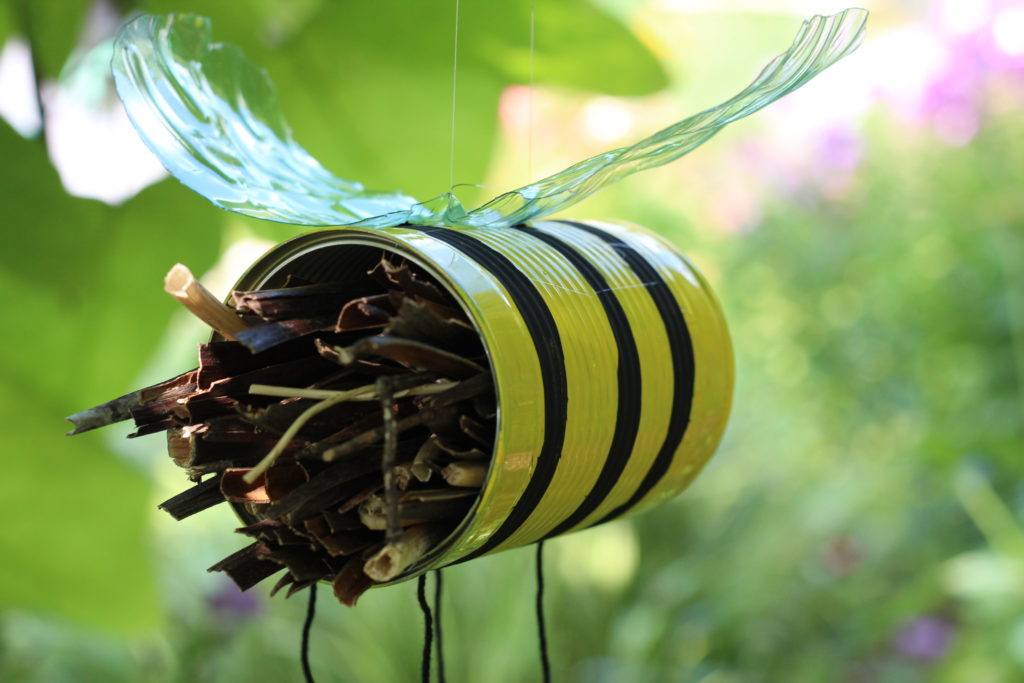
(163, 225)
(257, 26)
(91, 273)
(367, 87)
(52, 231)
(52, 29)
(5, 23)
(577, 45)
(83, 312)
(75, 542)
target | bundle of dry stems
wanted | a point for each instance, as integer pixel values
(351, 424)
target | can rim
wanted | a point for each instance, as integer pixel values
(280, 255)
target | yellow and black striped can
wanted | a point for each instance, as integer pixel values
(611, 358)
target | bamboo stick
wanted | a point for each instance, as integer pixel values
(465, 473)
(393, 558)
(183, 286)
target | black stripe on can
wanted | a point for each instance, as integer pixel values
(627, 417)
(544, 333)
(680, 351)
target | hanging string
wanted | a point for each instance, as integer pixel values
(437, 626)
(428, 634)
(310, 613)
(455, 76)
(529, 95)
(545, 665)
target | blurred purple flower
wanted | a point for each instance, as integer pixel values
(823, 158)
(229, 604)
(839, 148)
(940, 74)
(926, 638)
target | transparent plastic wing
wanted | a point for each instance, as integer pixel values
(821, 42)
(212, 118)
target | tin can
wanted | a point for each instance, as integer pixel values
(611, 361)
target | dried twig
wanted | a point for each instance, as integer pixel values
(464, 473)
(365, 393)
(393, 558)
(330, 465)
(183, 286)
(389, 457)
(299, 423)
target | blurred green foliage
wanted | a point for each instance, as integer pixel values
(78, 278)
(861, 520)
(367, 85)
(52, 27)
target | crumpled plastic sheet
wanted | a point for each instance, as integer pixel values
(212, 118)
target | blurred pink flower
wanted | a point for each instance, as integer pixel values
(981, 53)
